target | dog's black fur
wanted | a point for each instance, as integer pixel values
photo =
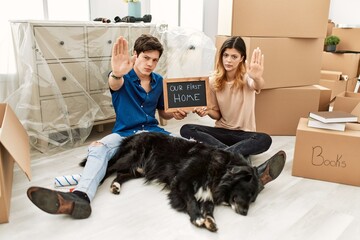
(197, 176)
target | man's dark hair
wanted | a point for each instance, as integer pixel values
(147, 42)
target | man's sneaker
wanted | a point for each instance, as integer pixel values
(272, 168)
(55, 202)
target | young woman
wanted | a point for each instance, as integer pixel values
(232, 104)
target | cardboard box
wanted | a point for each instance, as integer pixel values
(337, 82)
(323, 155)
(346, 101)
(280, 18)
(278, 110)
(331, 75)
(14, 147)
(351, 84)
(349, 39)
(336, 86)
(289, 62)
(325, 98)
(347, 63)
(330, 27)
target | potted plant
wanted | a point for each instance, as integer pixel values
(331, 42)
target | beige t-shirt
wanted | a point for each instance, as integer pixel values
(237, 106)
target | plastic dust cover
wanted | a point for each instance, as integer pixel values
(63, 67)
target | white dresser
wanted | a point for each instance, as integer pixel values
(63, 68)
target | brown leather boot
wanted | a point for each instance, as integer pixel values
(272, 168)
(55, 202)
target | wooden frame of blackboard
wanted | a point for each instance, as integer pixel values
(195, 95)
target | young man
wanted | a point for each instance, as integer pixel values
(137, 92)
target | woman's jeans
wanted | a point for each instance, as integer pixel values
(237, 141)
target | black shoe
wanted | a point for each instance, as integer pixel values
(55, 202)
(271, 169)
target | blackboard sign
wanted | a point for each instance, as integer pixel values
(185, 93)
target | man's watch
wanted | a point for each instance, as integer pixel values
(115, 77)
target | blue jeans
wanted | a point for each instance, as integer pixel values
(97, 160)
(237, 141)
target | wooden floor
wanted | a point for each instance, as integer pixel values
(288, 208)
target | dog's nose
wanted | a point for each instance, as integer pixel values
(242, 211)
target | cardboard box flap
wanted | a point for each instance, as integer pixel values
(347, 63)
(346, 101)
(356, 110)
(14, 138)
(354, 126)
(331, 75)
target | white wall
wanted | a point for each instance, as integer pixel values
(345, 12)
(210, 22)
(224, 17)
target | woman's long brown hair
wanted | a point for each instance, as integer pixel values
(237, 43)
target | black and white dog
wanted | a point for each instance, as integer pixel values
(197, 176)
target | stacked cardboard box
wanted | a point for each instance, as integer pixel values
(292, 45)
(349, 38)
(331, 155)
(347, 64)
(333, 80)
(345, 59)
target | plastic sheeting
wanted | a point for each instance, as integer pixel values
(62, 70)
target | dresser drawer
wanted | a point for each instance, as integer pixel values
(135, 32)
(59, 42)
(67, 77)
(102, 39)
(98, 74)
(55, 117)
(105, 104)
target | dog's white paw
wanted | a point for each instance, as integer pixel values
(210, 224)
(115, 188)
(199, 222)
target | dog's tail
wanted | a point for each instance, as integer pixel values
(83, 162)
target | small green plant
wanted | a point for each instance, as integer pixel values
(332, 40)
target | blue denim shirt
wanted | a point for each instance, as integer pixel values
(135, 108)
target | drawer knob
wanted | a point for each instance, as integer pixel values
(62, 42)
(63, 78)
(109, 42)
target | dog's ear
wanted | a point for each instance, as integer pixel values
(242, 172)
(233, 173)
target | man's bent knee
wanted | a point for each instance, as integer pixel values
(96, 143)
